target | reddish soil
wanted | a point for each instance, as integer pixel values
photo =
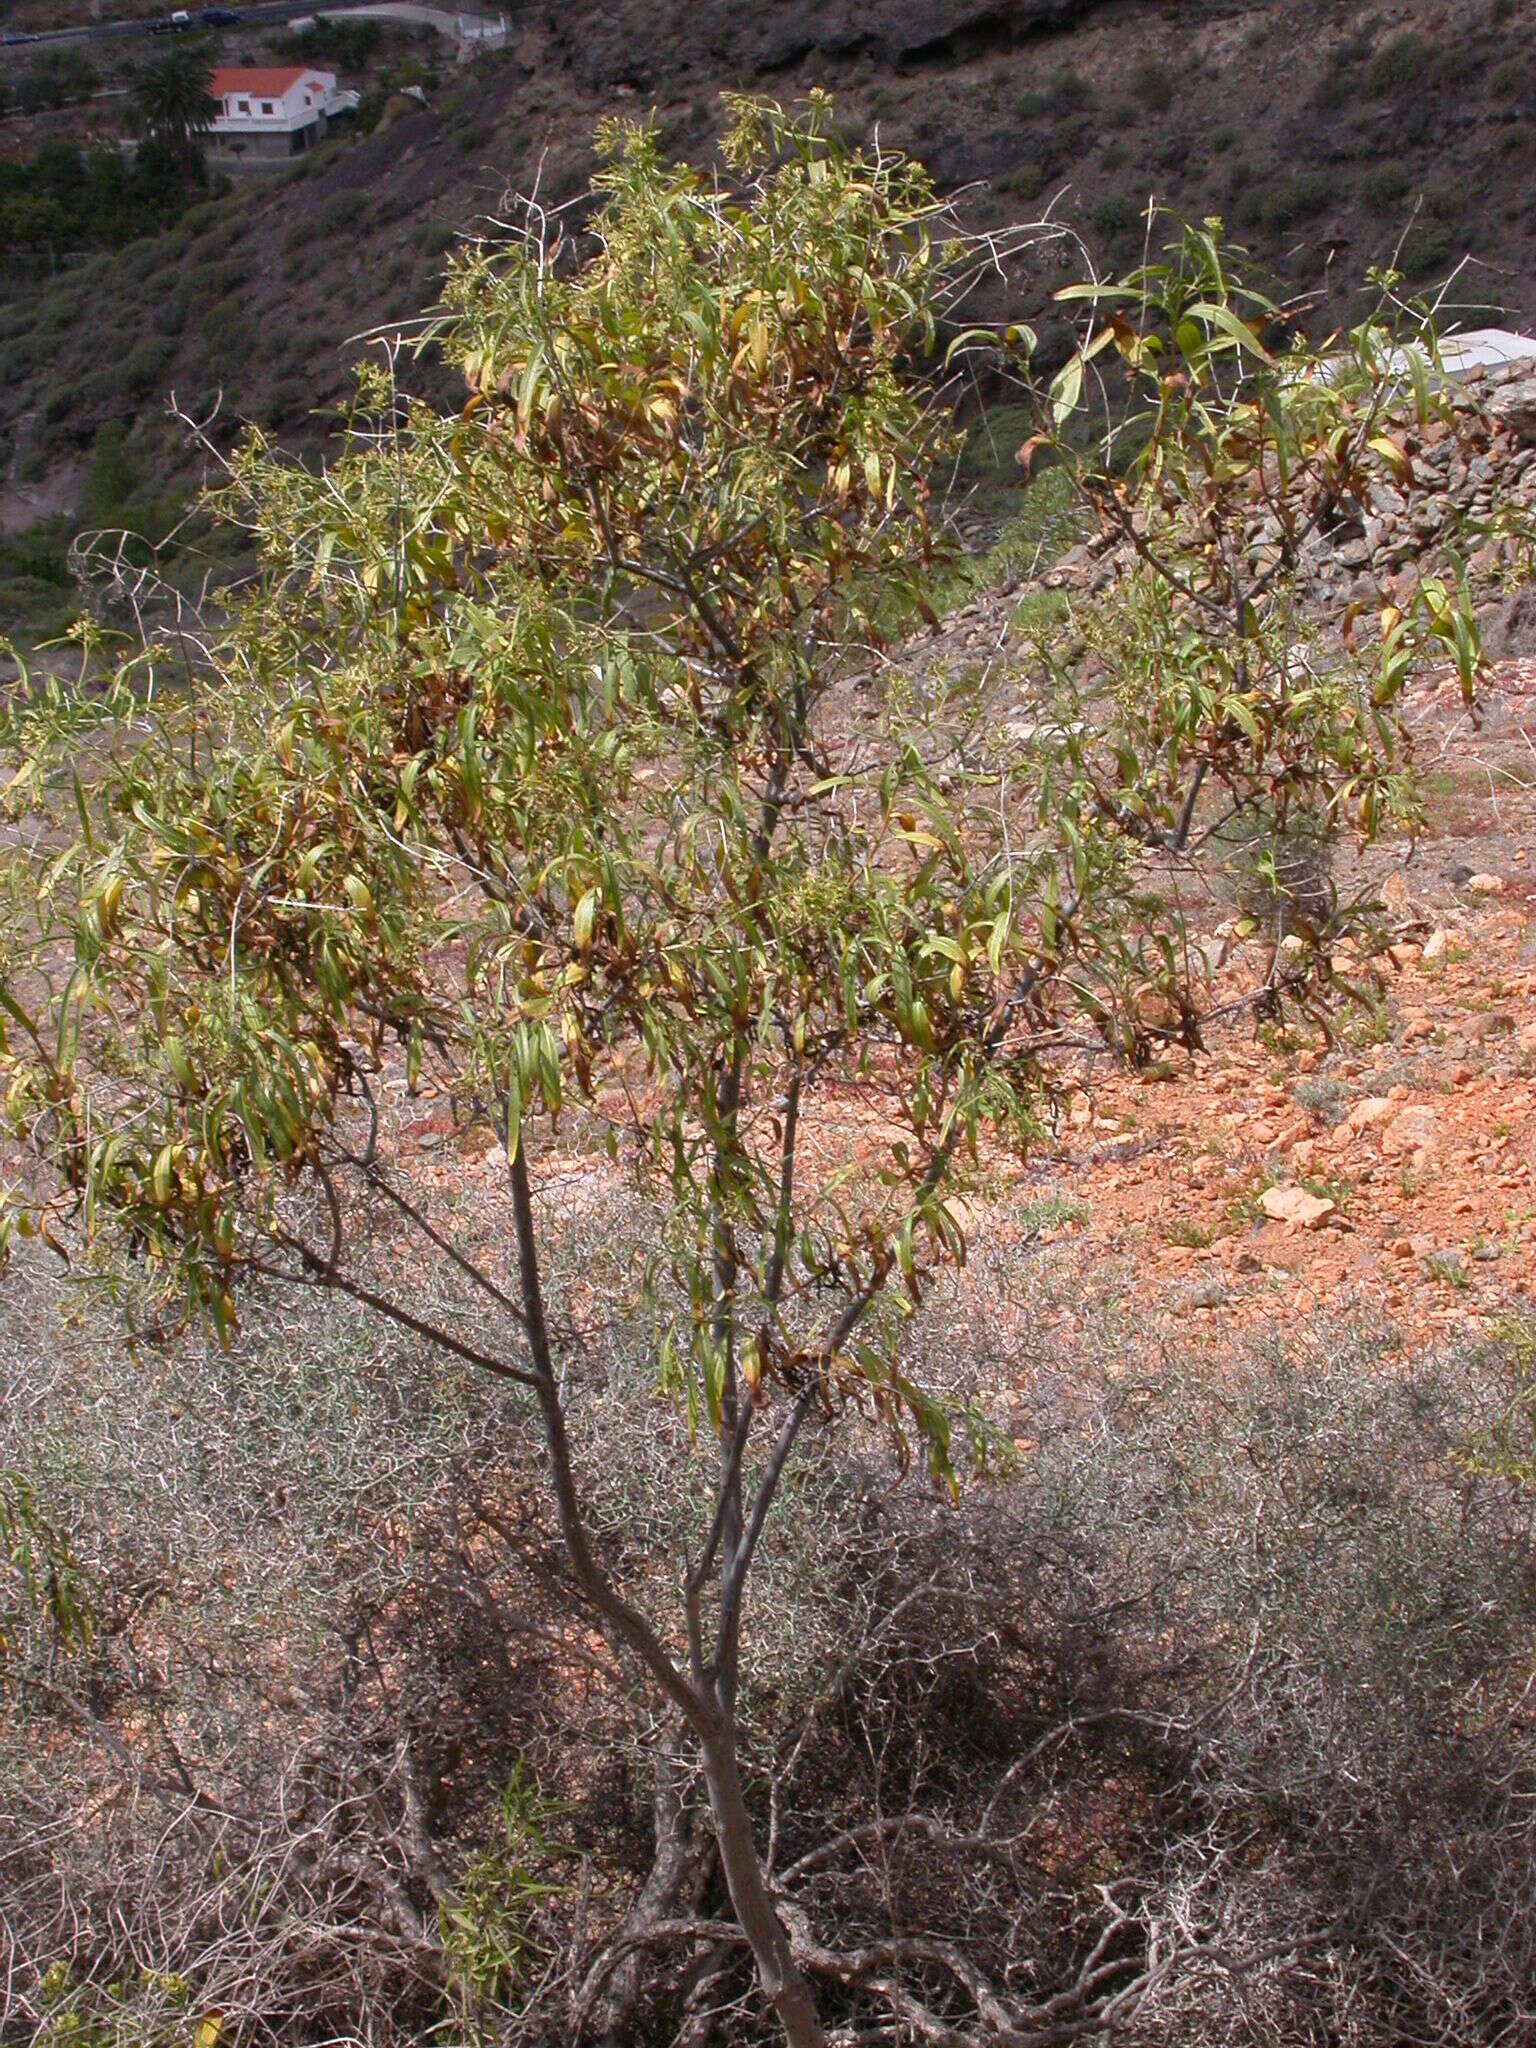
(1418, 1121)
(1416, 1118)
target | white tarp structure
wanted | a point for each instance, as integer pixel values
(1489, 351)
(470, 31)
(1485, 348)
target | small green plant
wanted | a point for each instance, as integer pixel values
(1323, 1096)
(1427, 247)
(147, 365)
(1067, 93)
(145, 2008)
(1247, 1207)
(1283, 201)
(1507, 1449)
(342, 210)
(1054, 1213)
(433, 238)
(38, 1575)
(1116, 216)
(1187, 1233)
(1447, 1266)
(1398, 64)
(489, 1919)
(1275, 1035)
(1026, 181)
(1036, 613)
(1153, 84)
(1049, 518)
(1510, 77)
(1367, 1023)
(1445, 199)
(1383, 185)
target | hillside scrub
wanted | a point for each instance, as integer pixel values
(1220, 1650)
(546, 770)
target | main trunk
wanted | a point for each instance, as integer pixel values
(777, 1972)
(785, 1988)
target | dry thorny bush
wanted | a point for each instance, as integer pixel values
(1220, 1695)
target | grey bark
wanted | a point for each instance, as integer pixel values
(777, 1971)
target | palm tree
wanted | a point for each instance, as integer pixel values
(175, 106)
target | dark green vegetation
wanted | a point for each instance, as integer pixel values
(58, 78)
(138, 524)
(66, 199)
(173, 109)
(37, 589)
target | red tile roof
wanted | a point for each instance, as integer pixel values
(267, 81)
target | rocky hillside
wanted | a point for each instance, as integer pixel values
(1316, 129)
(1328, 136)
(1385, 1167)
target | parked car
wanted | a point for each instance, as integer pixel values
(219, 17)
(171, 24)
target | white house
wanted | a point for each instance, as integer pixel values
(274, 110)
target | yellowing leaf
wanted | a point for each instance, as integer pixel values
(1066, 388)
(1395, 457)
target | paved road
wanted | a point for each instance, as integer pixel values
(268, 11)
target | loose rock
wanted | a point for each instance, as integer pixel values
(1297, 1206)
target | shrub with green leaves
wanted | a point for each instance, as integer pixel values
(39, 1581)
(1153, 84)
(68, 198)
(487, 1917)
(1399, 63)
(533, 768)
(1427, 247)
(1116, 216)
(1207, 671)
(1067, 93)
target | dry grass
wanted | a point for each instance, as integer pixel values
(1230, 1677)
